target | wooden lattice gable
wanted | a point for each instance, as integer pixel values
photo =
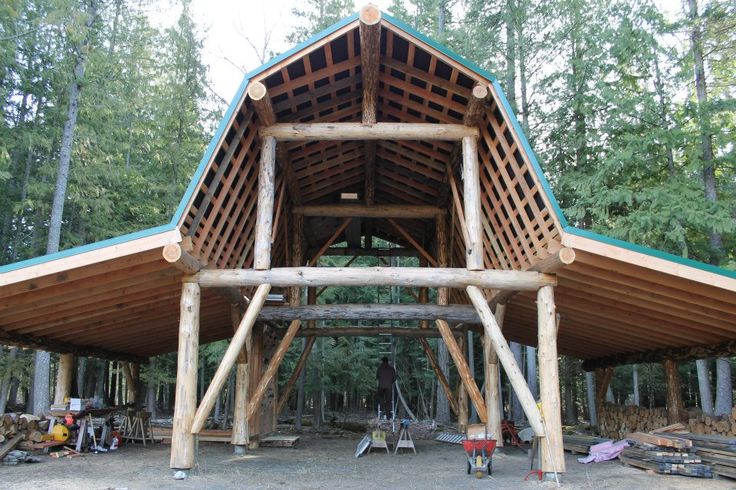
(419, 81)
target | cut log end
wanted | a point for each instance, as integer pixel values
(257, 91)
(370, 14)
(172, 252)
(480, 92)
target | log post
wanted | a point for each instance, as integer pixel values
(675, 407)
(493, 394)
(64, 378)
(370, 59)
(256, 358)
(239, 438)
(471, 198)
(518, 382)
(264, 217)
(231, 355)
(462, 395)
(185, 401)
(552, 453)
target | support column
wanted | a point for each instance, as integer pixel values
(239, 438)
(64, 378)
(185, 402)
(264, 216)
(255, 371)
(675, 407)
(493, 387)
(552, 452)
(472, 205)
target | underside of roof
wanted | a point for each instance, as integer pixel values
(120, 298)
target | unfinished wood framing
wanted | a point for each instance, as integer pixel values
(64, 378)
(420, 333)
(360, 131)
(452, 313)
(516, 377)
(231, 355)
(181, 259)
(472, 207)
(370, 59)
(462, 395)
(492, 384)
(376, 276)
(368, 211)
(239, 437)
(182, 438)
(551, 449)
(264, 220)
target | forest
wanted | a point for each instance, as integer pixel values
(629, 105)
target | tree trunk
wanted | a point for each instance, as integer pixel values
(41, 368)
(590, 388)
(570, 412)
(724, 387)
(7, 377)
(300, 394)
(443, 407)
(151, 394)
(81, 376)
(517, 413)
(510, 53)
(531, 371)
(635, 382)
(706, 394)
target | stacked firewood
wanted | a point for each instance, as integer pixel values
(30, 427)
(616, 421)
(707, 424)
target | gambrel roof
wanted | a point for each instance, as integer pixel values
(119, 297)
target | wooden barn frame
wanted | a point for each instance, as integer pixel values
(432, 158)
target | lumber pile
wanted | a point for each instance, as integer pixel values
(717, 451)
(580, 443)
(666, 454)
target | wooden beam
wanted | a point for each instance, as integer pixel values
(420, 333)
(258, 94)
(406, 211)
(438, 372)
(231, 355)
(360, 131)
(264, 217)
(273, 367)
(175, 255)
(476, 106)
(549, 265)
(679, 354)
(492, 382)
(367, 252)
(472, 207)
(185, 399)
(313, 261)
(64, 378)
(375, 276)
(675, 408)
(462, 394)
(239, 437)
(462, 368)
(413, 242)
(493, 331)
(370, 59)
(552, 452)
(452, 313)
(286, 392)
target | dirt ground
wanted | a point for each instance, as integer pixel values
(321, 463)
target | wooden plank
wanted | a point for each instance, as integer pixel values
(359, 131)
(229, 358)
(368, 211)
(376, 276)
(659, 440)
(420, 333)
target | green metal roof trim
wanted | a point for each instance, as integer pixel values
(650, 251)
(234, 106)
(87, 248)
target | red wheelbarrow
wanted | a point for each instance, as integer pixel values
(480, 453)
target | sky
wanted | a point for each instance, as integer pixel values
(231, 28)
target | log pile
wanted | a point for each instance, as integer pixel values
(616, 421)
(30, 427)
